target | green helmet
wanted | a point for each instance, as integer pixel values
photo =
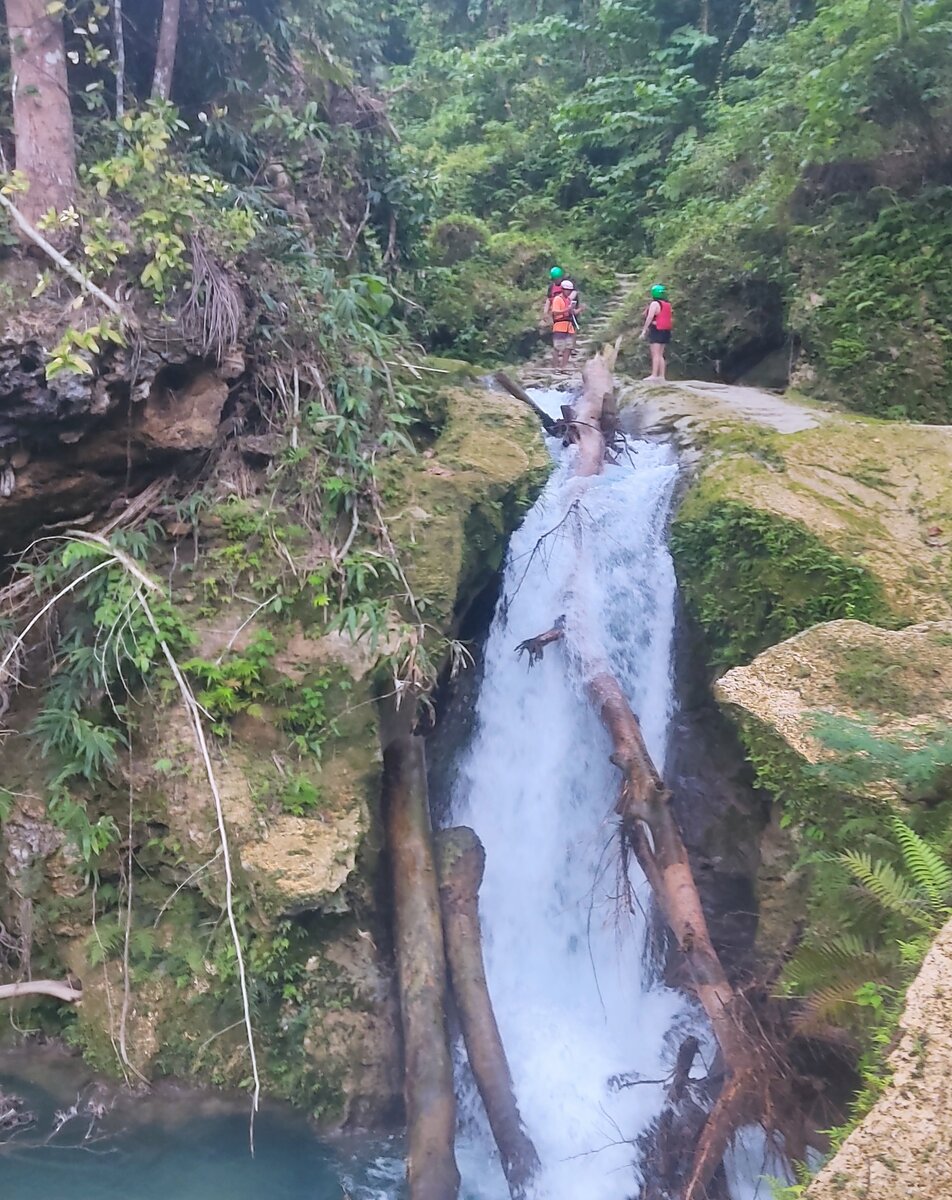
(556, 273)
(659, 291)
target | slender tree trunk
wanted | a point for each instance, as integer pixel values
(165, 52)
(421, 967)
(461, 860)
(120, 40)
(42, 119)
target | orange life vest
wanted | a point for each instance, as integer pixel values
(562, 315)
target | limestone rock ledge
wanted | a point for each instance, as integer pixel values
(800, 514)
(895, 685)
(902, 1150)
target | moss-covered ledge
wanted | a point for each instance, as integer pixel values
(451, 518)
(780, 531)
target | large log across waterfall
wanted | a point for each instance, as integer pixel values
(421, 970)
(650, 831)
(461, 860)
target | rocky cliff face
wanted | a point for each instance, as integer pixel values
(902, 1150)
(814, 551)
(296, 756)
(74, 445)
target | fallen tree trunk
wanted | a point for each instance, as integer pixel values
(650, 831)
(460, 863)
(42, 987)
(421, 969)
(520, 393)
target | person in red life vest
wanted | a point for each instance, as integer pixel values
(657, 329)
(562, 312)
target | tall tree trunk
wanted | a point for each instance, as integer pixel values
(461, 860)
(165, 51)
(42, 119)
(421, 967)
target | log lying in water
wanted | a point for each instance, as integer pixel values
(460, 863)
(649, 830)
(421, 969)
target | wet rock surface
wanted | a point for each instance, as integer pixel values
(72, 445)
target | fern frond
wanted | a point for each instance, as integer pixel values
(142, 943)
(103, 942)
(894, 893)
(832, 1003)
(932, 874)
(914, 951)
(817, 964)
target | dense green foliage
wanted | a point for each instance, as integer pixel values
(782, 168)
(751, 580)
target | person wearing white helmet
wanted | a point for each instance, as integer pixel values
(563, 311)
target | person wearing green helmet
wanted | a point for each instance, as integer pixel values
(657, 329)
(554, 289)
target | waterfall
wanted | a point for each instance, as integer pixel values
(576, 994)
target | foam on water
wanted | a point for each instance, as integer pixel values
(576, 999)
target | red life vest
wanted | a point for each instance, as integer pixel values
(664, 319)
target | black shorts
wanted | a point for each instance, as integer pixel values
(660, 337)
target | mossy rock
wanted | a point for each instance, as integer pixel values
(849, 519)
(451, 517)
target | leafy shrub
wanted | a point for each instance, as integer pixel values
(456, 238)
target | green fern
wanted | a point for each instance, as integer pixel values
(931, 873)
(883, 882)
(104, 942)
(913, 894)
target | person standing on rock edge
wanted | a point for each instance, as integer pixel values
(564, 325)
(657, 329)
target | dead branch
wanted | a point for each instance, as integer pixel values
(535, 647)
(520, 393)
(62, 262)
(42, 987)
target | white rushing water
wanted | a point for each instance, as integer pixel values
(576, 999)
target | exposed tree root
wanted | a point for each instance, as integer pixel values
(461, 860)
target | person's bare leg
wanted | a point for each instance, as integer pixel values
(662, 367)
